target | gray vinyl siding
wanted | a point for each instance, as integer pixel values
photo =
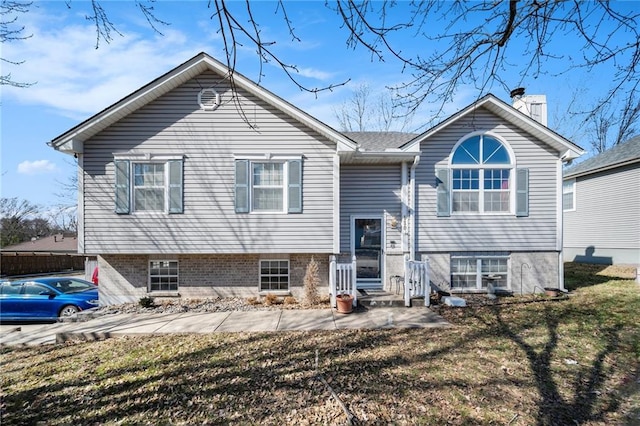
(174, 124)
(476, 232)
(369, 190)
(607, 213)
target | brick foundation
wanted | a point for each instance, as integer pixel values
(123, 278)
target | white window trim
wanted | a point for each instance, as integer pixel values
(147, 156)
(479, 274)
(135, 157)
(132, 197)
(283, 187)
(573, 192)
(165, 186)
(268, 157)
(274, 259)
(512, 167)
(162, 292)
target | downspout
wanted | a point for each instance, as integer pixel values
(80, 208)
(560, 231)
(405, 207)
(412, 209)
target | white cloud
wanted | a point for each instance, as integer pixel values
(74, 77)
(314, 73)
(36, 167)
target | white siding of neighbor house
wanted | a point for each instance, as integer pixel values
(606, 218)
(174, 124)
(367, 190)
(477, 232)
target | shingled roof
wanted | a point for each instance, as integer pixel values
(379, 141)
(626, 153)
(54, 244)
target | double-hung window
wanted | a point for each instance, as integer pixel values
(268, 190)
(481, 178)
(148, 184)
(268, 186)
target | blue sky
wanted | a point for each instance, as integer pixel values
(74, 80)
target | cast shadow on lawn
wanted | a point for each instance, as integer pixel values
(578, 275)
(589, 400)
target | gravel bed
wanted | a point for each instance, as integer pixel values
(226, 304)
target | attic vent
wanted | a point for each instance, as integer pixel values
(208, 99)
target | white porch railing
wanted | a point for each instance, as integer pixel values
(416, 281)
(342, 279)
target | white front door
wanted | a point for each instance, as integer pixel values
(367, 245)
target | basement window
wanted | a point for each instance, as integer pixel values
(163, 275)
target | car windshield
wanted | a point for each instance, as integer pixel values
(69, 285)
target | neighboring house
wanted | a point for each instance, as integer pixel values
(200, 184)
(602, 207)
(55, 253)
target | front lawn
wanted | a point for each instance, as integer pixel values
(574, 361)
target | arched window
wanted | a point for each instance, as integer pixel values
(481, 176)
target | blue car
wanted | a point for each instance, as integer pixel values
(48, 298)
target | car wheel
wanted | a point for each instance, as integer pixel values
(68, 310)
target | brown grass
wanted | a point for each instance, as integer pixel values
(575, 361)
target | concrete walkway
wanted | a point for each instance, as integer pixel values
(215, 322)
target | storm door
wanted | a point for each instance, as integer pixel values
(368, 247)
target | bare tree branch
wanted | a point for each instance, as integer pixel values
(362, 112)
(10, 31)
(480, 44)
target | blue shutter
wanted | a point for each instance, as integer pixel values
(122, 186)
(443, 193)
(242, 186)
(295, 186)
(176, 203)
(522, 192)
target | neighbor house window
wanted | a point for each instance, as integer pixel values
(569, 195)
(273, 186)
(153, 185)
(163, 275)
(476, 273)
(274, 275)
(482, 178)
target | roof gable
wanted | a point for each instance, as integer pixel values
(620, 155)
(72, 140)
(567, 150)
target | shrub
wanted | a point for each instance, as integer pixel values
(147, 302)
(311, 283)
(270, 299)
(253, 301)
(290, 300)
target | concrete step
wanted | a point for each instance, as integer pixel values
(370, 299)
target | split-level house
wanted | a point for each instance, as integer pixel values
(203, 183)
(602, 207)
